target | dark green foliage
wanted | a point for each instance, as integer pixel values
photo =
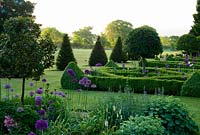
(171, 87)
(144, 41)
(111, 64)
(65, 54)
(66, 79)
(188, 43)
(141, 125)
(48, 50)
(117, 54)
(98, 54)
(196, 27)
(25, 120)
(14, 8)
(191, 87)
(175, 118)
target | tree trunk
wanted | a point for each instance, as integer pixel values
(0, 89)
(23, 90)
(143, 66)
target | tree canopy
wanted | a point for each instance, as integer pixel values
(196, 27)
(14, 8)
(145, 42)
(188, 43)
(48, 50)
(83, 38)
(117, 28)
(54, 34)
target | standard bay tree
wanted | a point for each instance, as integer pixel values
(145, 42)
(21, 54)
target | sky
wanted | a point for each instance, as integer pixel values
(168, 17)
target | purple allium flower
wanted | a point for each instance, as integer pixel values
(20, 109)
(187, 64)
(7, 86)
(79, 90)
(81, 82)
(87, 71)
(31, 93)
(44, 80)
(31, 133)
(11, 90)
(98, 65)
(9, 122)
(41, 124)
(38, 100)
(74, 80)
(71, 72)
(16, 95)
(41, 112)
(31, 84)
(93, 86)
(39, 91)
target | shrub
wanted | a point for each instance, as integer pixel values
(141, 125)
(98, 54)
(66, 79)
(25, 119)
(191, 87)
(111, 64)
(174, 116)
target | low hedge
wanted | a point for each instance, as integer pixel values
(171, 87)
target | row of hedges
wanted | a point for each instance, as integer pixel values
(171, 64)
(171, 87)
(152, 72)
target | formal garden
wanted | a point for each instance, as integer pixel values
(135, 88)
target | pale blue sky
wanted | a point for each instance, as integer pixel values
(168, 17)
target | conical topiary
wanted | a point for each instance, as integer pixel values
(111, 64)
(98, 54)
(65, 54)
(191, 87)
(71, 75)
(117, 54)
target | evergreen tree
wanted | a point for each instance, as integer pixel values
(98, 54)
(196, 27)
(65, 54)
(117, 53)
(48, 50)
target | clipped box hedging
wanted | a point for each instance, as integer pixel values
(66, 79)
(171, 87)
(191, 87)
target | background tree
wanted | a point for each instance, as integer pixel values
(83, 38)
(169, 42)
(55, 35)
(117, 28)
(117, 54)
(98, 54)
(65, 54)
(145, 42)
(188, 43)
(14, 8)
(48, 50)
(173, 42)
(196, 27)
(104, 41)
(21, 54)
